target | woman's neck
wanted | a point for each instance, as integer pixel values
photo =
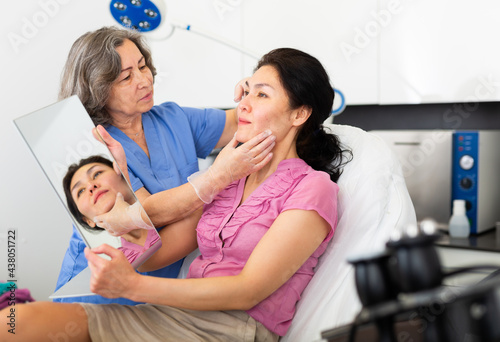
(280, 153)
(129, 126)
(132, 127)
(137, 236)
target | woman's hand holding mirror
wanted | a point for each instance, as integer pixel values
(110, 278)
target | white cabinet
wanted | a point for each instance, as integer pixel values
(376, 52)
(388, 51)
(440, 51)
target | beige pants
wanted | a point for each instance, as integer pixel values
(114, 322)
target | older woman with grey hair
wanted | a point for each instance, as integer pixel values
(111, 70)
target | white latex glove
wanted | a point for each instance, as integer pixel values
(122, 218)
(233, 162)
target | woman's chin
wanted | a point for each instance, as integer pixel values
(239, 137)
(242, 137)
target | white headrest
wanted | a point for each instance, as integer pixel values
(373, 201)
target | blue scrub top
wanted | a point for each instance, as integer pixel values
(176, 137)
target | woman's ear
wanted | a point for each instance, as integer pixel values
(301, 115)
(89, 222)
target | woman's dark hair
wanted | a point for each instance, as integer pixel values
(67, 189)
(307, 84)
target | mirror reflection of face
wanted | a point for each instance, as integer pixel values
(94, 188)
(132, 93)
(265, 105)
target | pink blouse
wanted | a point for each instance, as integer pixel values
(228, 233)
(132, 251)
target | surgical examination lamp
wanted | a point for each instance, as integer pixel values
(150, 17)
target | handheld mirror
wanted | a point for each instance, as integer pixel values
(60, 137)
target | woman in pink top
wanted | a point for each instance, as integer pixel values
(259, 239)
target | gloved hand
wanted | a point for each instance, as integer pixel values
(233, 163)
(123, 218)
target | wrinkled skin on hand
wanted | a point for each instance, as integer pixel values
(110, 278)
(240, 161)
(233, 162)
(116, 149)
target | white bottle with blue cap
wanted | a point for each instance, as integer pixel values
(459, 226)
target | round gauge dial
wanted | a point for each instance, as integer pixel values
(466, 162)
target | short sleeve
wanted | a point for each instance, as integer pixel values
(176, 137)
(207, 126)
(316, 191)
(135, 182)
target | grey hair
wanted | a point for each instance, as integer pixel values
(93, 65)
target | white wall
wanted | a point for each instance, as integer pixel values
(349, 37)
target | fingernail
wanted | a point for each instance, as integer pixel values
(267, 132)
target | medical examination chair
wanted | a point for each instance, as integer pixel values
(373, 202)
